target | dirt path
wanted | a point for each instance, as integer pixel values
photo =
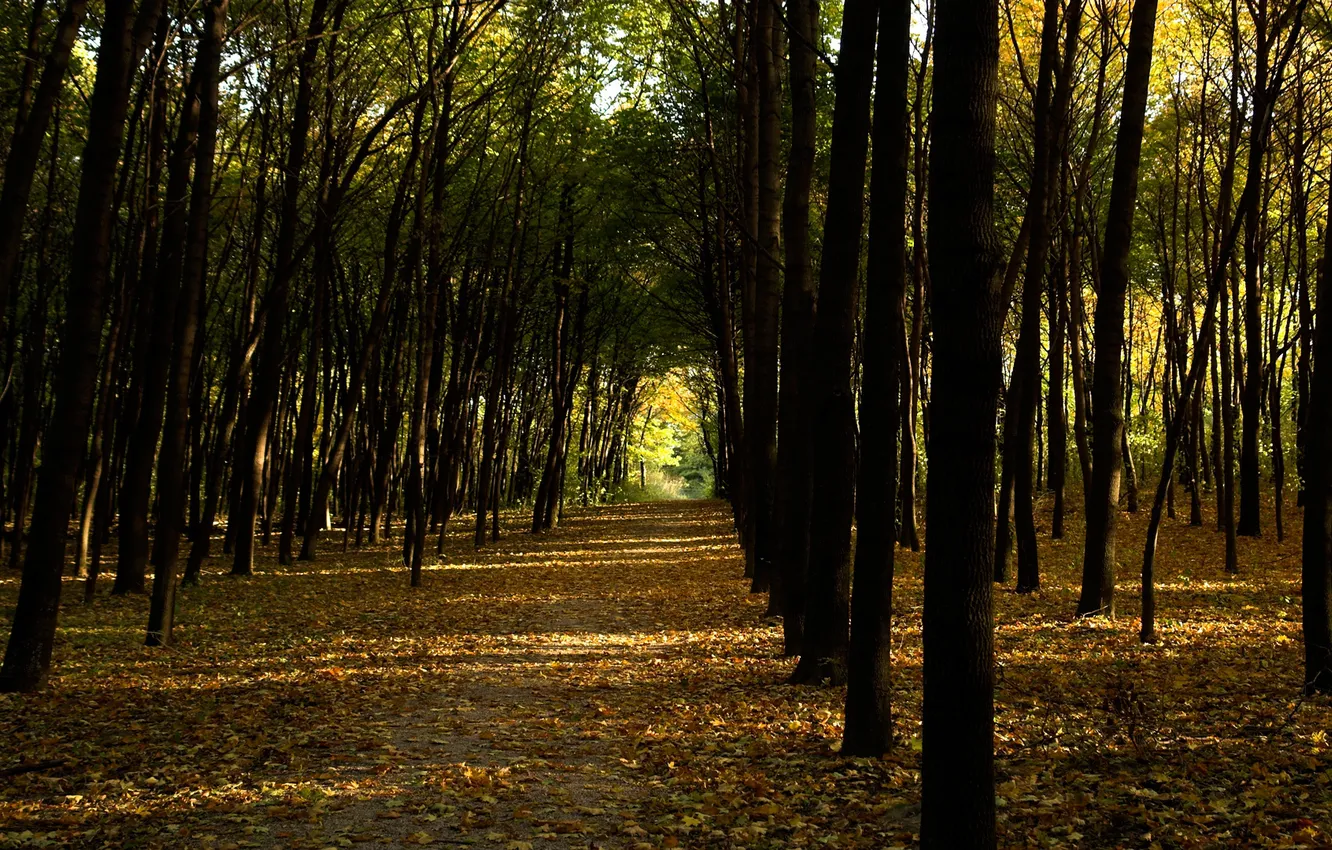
(523, 742)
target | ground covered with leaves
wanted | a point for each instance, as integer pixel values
(613, 685)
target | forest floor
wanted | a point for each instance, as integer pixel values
(613, 685)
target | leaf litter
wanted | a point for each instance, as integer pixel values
(612, 684)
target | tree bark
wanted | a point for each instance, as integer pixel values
(794, 474)
(957, 796)
(824, 651)
(1098, 567)
(171, 462)
(123, 39)
(165, 279)
(1249, 523)
(250, 452)
(761, 374)
(26, 146)
(869, 719)
(1316, 545)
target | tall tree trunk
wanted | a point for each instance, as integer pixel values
(505, 319)
(1249, 524)
(824, 651)
(171, 463)
(1300, 203)
(1098, 567)
(967, 317)
(251, 450)
(1220, 272)
(746, 46)
(26, 146)
(1316, 572)
(123, 39)
(1228, 434)
(869, 719)
(165, 278)
(761, 373)
(1056, 414)
(1060, 207)
(33, 411)
(369, 349)
(909, 534)
(1027, 363)
(794, 478)
(560, 394)
(428, 308)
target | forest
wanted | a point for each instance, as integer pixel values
(666, 423)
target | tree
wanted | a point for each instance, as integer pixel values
(794, 474)
(957, 773)
(1098, 567)
(823, 651)
(869, 721)
(1316, 577)
(123, 39)
(171, 461)
(761, 375)
(24, 149)
(253, 446)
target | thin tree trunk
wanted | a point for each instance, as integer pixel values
(26, 146)
(1098, 570)
(869, 719)
(1228, 436)
(171, 463)
(249, 456)
(761, 374)
(824, 651)
(794, 474)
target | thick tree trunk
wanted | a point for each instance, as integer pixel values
(1316, 572)
(123, 39)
